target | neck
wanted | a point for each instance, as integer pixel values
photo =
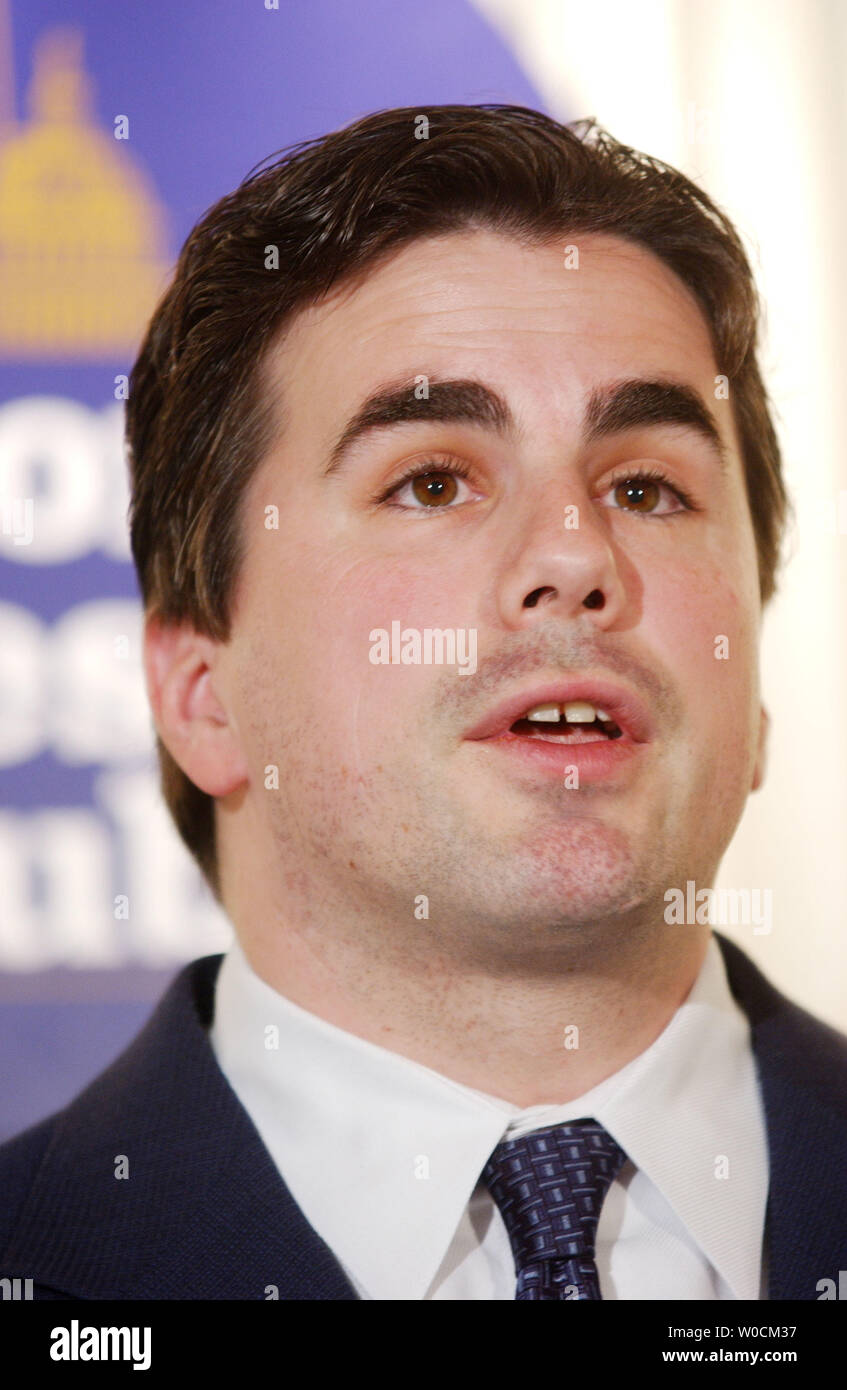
(539, 1028)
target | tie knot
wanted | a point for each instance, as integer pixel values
(549, 1186)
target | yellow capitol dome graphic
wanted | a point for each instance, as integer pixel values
(83, 254)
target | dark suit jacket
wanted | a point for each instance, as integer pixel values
(204, 1213)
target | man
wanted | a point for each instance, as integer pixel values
(456, 501)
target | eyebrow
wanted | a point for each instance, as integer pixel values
(612, 409)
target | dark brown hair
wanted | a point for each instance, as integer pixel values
(198, 422)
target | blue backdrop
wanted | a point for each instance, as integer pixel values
(119, 125)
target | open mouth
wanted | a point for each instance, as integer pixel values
(566, 732)
(577, 721)
(587, 710)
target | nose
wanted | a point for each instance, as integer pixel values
(562, 565)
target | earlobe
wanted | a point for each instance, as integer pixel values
(180, 666)
(762, 750)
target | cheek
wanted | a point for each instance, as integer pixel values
(695, 605)
(703, 623)
(312, 643)
(357, 594)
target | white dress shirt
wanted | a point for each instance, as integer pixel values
(383, 1155)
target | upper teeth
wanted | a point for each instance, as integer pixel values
(575, 712)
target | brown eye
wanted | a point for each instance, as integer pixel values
(638, 494)
(433, 486)
(431, 489)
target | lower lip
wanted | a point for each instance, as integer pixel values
(594, 762)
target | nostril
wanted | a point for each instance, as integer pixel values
(595, 600)
(532, 599)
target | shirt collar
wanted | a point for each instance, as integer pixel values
(367, 1139)
(689, 1114)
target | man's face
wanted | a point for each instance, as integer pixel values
(383, 795)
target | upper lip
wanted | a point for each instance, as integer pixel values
(624, 706)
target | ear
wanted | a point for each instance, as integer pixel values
(191, 719)
(762, 749)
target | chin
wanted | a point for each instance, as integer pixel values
(575, 873)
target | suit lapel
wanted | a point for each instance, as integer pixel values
(203, 1212)
(802, 1068)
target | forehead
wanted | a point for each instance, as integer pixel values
(542, 320)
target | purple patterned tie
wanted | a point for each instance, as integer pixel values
(549, 1186)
